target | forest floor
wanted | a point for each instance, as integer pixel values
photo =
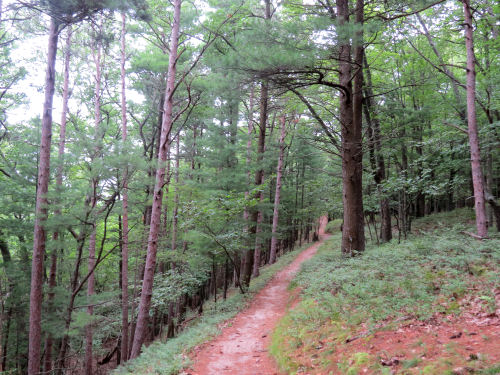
(429, 305)
(242, 348)
(174, 356)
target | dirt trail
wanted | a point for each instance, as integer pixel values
(242, 347)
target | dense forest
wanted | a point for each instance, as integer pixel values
(173, 148)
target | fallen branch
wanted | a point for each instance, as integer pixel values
(474, 235)
(372, 331)
(185, 322)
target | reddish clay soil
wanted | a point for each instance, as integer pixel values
(461, 344)
(242, 346)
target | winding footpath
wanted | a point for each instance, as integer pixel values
(242, 347)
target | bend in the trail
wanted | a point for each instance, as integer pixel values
(242, 347)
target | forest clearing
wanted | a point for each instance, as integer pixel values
(168, 169)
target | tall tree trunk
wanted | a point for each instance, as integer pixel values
(277, 194)
(246, 215)
(495, 208)
(147, 285)
(39, 236)
(226, 277)
(302, 192)
(489, 182)
(124, 248)
(258, 240)
(477, 173)
(258, 215)
(353, 238)
(150, 152)
(95, 186)
(59, 178)
(250, 256)
(6, 257)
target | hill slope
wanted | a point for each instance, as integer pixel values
(430, 305)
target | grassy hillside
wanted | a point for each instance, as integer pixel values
(429, 305)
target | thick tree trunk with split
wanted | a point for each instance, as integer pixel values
(353, 238)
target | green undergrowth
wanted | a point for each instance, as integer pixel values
(495, 370)
(426, 274)
(334, 226)
(171, 356)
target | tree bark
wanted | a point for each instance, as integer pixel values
(124, 248)
(277, 194)
(353, 238)
(147, 286)
(59, 177)
(495, 207)
(39, 236)
(6, 257)
(250, 257)
(477, 173)
(258, 215)
(246, 214)
(226, 276)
